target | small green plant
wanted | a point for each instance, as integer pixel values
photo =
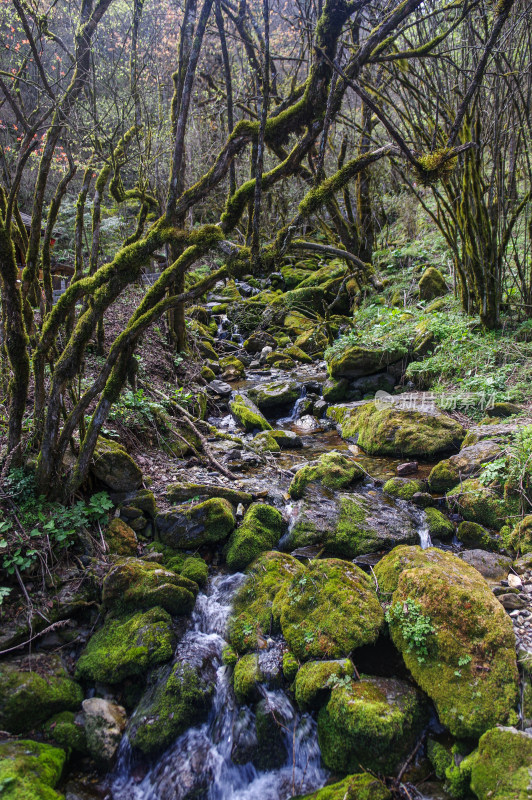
(5, 591)
(339, 682)
(416, 627)
(494, 471)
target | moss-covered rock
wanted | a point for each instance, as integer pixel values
(333, 470)
(335, 389)
(370, 724)
(134, 584)
(195, 569)
(30, 770)
(313, 341)
(177, 699)
(278, 394)
(467, 462)
(248, 415)
(246, 678)
(290, 666)
(113, 466)
(328, 611)
(104, 725)
(67, 730)
(252, 607)
(358, 360)
(395, 429)
(127, 647)
(32, 689)
(232, 368)
(478, 503)
(262, 527)
(187, 526)
(403, 488)
(258, 340)
(287, 440)
(473, 535)
(264, 442)
(467, 661)
(501, 768)
(184, 490)
(432, 284)
(362, 786)
(520, 538)
(440, 526)
(443, 476)
(120, 538)
(315, 680)
(297, 354)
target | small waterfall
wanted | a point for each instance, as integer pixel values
(423, 530)
(295, 413)
(199, 763)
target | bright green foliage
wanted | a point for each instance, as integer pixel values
(480, 504)
(333, 470)
(370, 724)
(469, 669)
(127, 647)
(329, 610)
(355, 787)
(246, 678)
(403, 488)
(30, 770)
(416, 628)
(315, 679)
(261, 529)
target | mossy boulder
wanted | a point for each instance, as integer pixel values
(104, 725)
(258, 340)
(133, 584)
(120, 538)
(478, 503)
(335, 390)
(287, 440)
(290, 666)
(112, 465)
(328, 611)
(32, 689)
(432, 284)
(313, 341)
(264, 442)
(275, 395)
(403, 488)
(358, 360)
(467, 665)
(440, 527)
(232, 368)
(67, 730)
(332, 470)
(473, 535)
(501, 768)
(262, 527)
(248, 415)
(246, 678)
(362, 786)
(195, 569)
(394, 428)
(296, 323)
(252, 606)
(371, 724)
(520, 538)
(297, 354)
(315, 679)
(184, 490)
(127, 647)
(30, 770)
(191, 526)
(467, 462)
(177, 698)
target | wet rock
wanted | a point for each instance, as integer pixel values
(220, 387)
(408, 468)
(248, 415)
(491, 566)
(113, 466)
(179, 492)
(287, 440)
(193, 526)
(244, 737)
(467, 462)
(307, 424)
(30, 770)
(275, 395)
(258, 341)
(432, 284)
(104, 725)
(271, 751)
(467, 665)
(133, 584)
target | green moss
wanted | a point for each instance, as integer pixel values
(195, 569)
(252, 606)
(333, 470)
(177, 700)
(134, 584)
(439, 756)
(370, 724)
(127, 647)
(470, 670)
(358, 360)
(246, 678)
(120, 538)
(187, 526)
(275, 395)
(443, 476)
(297, 354)
(261, 529)
(65, 732)
(475, 536)
(113, 466)
(207, 374)
(335, 390)
(27, 698)
(355, 787)
(478, 503)
(178, 492)
(264, 442)
(313, 341)
(229, 657)
(458, 773)
(315, 679)
(502, 767)
(30, 770)
(440, 526)
(290, 666)
(403, 488)
(520, 539)
(328, 610)
(233, 364)
(432, 284)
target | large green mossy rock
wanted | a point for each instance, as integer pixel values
(30, 770)
(467, 663)
(127, 647)
(248, 415)
(177, 699)
(446, 474)
(277, 394)
(403, 488)
(440, 526)
(133, 584)
(32, 689)
(371, 724)
(432, 284)
(329, 610)
(193, 526)
(395, 429)
(357, 360)
(112, 465)
(252, 606)
(475, 536)
(120, 538)
(315, 680)
(355, 787)
(247, 678)
(501, 768)
(349, 524)
(184, 490)
(332, 470)
(480, 504)
(262, 527)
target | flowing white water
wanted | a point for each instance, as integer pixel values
(199, 763)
